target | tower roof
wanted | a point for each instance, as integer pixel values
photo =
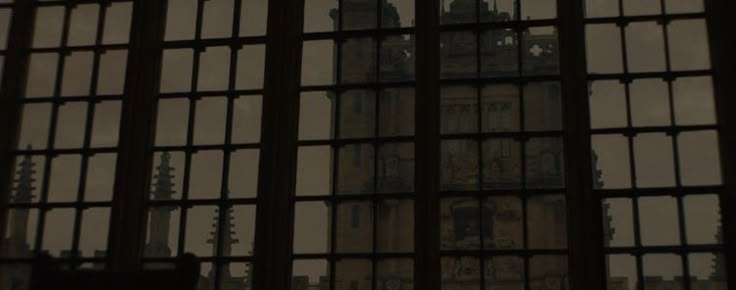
(164, 186)
(24, 181)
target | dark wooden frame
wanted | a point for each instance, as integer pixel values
(272, 263)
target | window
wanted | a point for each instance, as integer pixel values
(372, 144)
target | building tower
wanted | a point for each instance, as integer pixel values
(15, 243)
(225, 241)
(163, 189)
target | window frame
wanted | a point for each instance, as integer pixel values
(277, 167)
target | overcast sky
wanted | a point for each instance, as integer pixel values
(654, 165)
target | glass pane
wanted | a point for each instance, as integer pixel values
(357, 114)
(601, 8)
(209, 121)
(618, 222)
(501, 164)
(358, 60)
(684, 6)
(503, 223)
(650, 105)
(28, 179)
(504, 272)
(214, 68)
(70, 125)
(100, 178)
(545, 163)
(611, 167)
(547, 222)
(205, 175)
(548, 272)
(538, 9)
(105, 127)
(395, 168)
(34, 126)
(702, 219)
(398, 13)
(319, 15)
(307, 273)
(645, 45)
(83, 25)
(459, 165)
(622, 272)
(246, 123)
(395, 226)
(540, 54)
(693, 101)
(699, 158)
(166, 182)
(353, 274)
(360, 15)
(355, 169)
(658, 221)
(253, 14)
(460, 220)
(314, 169)
(77, 75)
(459, 110)
(64, 180)
(41, 75)
(118, 22)
(354, 229)
(58, 231)
(666, 267)
(176, 71)
(163, 231)
(315, 115)
(318, 62)
(5, 17)
(48, 25)
(171, 128)
(607, 105)
(457, 271)
(20, 233)
(458, 54)
(396, 112)
(397, 58)
(653, 159)
(707, 271)
(499, 53)
(542, 107)
(641, 7)
(251, 67)
(603, 48)
(500, 108)
(239, 231)
(111, 74)
(180, 20)
(395, 273)
(243, 173)
(217, 18)
(311, 227)
(93, 235)
(201, 223)
(688, 44)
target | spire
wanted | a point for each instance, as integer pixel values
(164, 187)
(24, 182)
(228, 238)
(516, 10)
(159, 226)
(719, 265)
(495, 7)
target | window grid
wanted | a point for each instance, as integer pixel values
(635, 191)
(374, 92)
(234, 221)
(484, 83)
(86, 150)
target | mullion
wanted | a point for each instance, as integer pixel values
(628, 76)
(75, 48)
(645, 18)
